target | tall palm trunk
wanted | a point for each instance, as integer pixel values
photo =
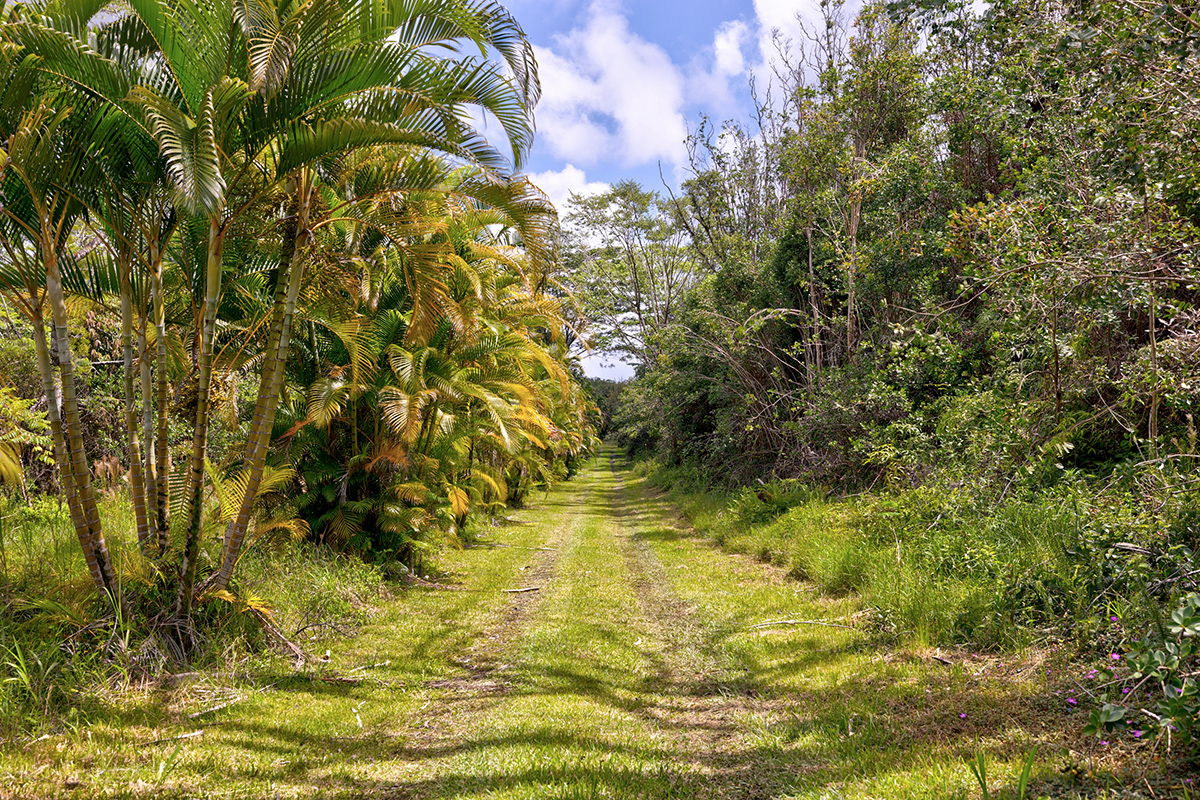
(287, 291)
(75, 459)
(66, 472)
(137, 486)
(193, 503)
(146, 379)
(162, 454)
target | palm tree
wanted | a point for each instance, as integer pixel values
(40, 213)
(449, 388)
(242, 97)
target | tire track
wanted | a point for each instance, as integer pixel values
(703, 698)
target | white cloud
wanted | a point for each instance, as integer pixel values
(780, 15)
(792, 26)
(559, 185)
(727, 48)
(604, 365)
(608, 94)
(712, 71)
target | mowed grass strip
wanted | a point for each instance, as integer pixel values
(834, 712)
(575, 717)
(631, 670)
(341, 725)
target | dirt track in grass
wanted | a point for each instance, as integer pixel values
(594, 646)
(633, 670)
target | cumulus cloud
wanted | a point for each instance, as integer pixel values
(789, 25)
(712, 73)
(558, 185)
(607, 93)
(727, 48)
(609, 96)
(778, 15)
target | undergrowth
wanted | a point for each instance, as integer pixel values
(945, 566)
(1101, 573)
(62, 650)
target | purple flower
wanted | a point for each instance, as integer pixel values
(1114, 619)
(1115, 656)
(1103, 741)
(1125, 690)
(1138, 734)
(1072, 701)
(962, 716)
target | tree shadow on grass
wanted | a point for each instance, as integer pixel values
(729, 749)
(867, 729)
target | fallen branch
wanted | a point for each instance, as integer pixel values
(522, 591)
(820, 622)
(191, 735)
(215, 708)
(284, 643)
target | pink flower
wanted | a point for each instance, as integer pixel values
(1115, 656)
(1072, 701)
(1138, 734)
(962, 716)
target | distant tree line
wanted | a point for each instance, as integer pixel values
(956, 245)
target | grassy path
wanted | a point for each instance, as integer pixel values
(630, 669)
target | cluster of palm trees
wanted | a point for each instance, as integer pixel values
(248, 180)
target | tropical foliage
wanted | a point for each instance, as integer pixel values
(245, 180)
(938, 339)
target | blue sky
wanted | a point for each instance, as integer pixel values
(623, 83)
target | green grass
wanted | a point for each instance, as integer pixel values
(631, 669)
(937, 566)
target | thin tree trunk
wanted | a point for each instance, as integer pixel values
(194, 502)
(853, 222)
(851, 267)
(137, 486)
(146, 379)
(162, 453)
(1054, 344)
(812, 302)
(1154, 395)
(66, 471)
(287, 291)
(73, 428)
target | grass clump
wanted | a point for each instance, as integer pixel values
(940, 566)
(313, 592)
(63, 651)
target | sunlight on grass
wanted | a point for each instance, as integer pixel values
(592, 647)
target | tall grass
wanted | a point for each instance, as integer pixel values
(940, 566)
(60, 645)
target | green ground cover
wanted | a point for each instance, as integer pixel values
(595, 645)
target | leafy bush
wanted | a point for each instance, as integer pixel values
(755, 505)
(1158, 671)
